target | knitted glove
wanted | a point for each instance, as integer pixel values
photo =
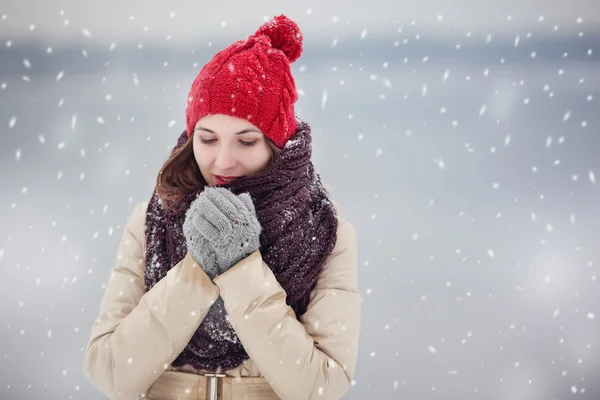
(221, 229)
(196, 244)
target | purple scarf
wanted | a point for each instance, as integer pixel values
(299, 231)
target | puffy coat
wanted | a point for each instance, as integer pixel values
(137, 334)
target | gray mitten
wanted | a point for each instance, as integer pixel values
(199, 247)
(228, 224)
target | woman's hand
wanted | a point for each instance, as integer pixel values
(221, 229)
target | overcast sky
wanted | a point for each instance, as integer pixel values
(184, 20)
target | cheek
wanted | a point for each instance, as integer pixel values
(261, 158)
(202, 156)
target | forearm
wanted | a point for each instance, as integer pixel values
(298, 365)
(132, 342)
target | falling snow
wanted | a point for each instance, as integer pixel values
(462, 147)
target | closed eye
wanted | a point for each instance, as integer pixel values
(243, 143)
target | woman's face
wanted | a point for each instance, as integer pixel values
(227, 146)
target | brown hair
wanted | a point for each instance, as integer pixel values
(181, 176)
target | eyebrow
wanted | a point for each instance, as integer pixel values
(238, 133)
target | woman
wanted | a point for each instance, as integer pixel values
(238, 278)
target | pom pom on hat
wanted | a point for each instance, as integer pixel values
(285, 35)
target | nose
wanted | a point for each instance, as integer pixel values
(225, 159)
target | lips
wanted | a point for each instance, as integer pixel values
(221, 180)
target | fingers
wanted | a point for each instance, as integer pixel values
(242, 200)
(213, 214)
(226, 201)
(247, 200)
(218, 197)
(207, 229)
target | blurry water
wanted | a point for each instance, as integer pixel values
(472, 179)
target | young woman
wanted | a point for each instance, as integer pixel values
(238, 278)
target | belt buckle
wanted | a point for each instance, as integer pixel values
(213, 392)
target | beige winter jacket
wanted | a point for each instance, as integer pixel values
(138, 334)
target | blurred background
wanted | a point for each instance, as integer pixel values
(461, 139)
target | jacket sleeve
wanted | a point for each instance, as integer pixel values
(137, 334)
(315, 356)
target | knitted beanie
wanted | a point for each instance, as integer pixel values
(251, 79)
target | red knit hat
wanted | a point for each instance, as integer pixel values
(252, 79)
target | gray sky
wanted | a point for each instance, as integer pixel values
(137, 20)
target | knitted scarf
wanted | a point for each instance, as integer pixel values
(299, 227)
